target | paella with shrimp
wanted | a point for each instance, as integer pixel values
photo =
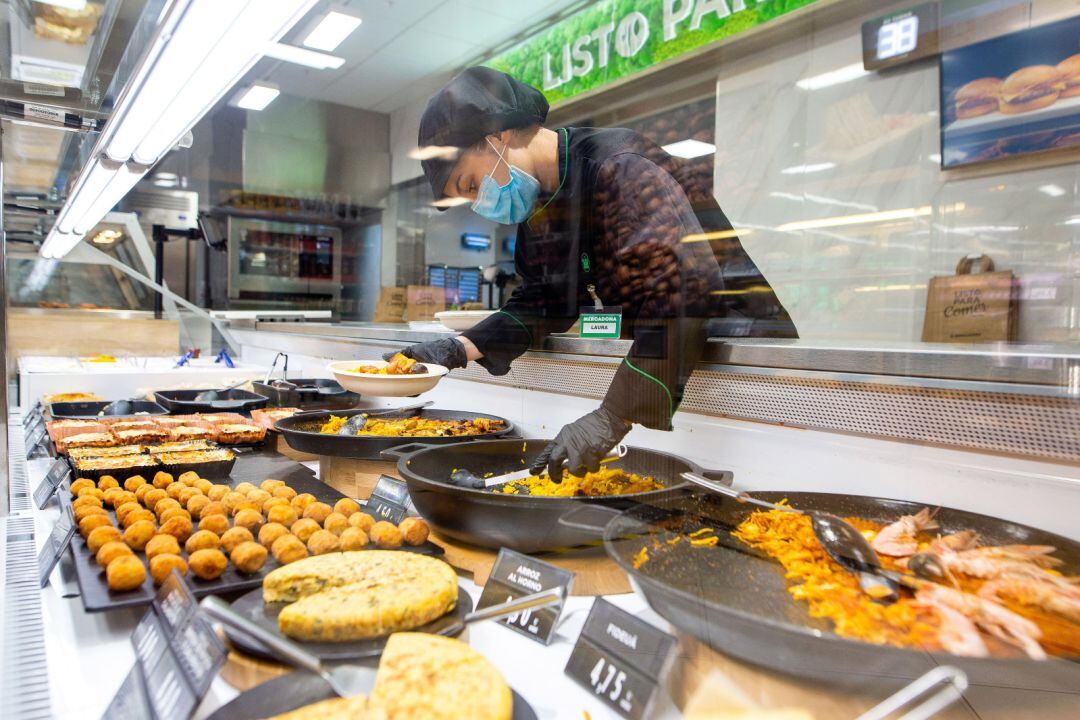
(971, 597)
(417, 427)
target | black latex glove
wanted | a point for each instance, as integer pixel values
(581, 445)
(447, 352)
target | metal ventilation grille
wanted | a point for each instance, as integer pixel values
(24, 687)
(1032, 425)
(18, 480)
(185, 202)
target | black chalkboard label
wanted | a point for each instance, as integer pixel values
(149, 640)
(389, 500)
(59, 472)
(515, 575)
(57, 543)
(34, 437)
(200, 651)
(130, 701)
(31, 416)
(621, 658)
(170, 696)
(174, 603)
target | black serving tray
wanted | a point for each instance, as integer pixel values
(183, 402)
(91, 410)
(309, 394)
(251, 467)
(300, 688)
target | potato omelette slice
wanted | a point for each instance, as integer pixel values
(341, 597)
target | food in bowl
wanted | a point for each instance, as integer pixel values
(398, 365)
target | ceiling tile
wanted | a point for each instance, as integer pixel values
(456, 20)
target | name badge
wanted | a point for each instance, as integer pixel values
(57, 544)
(620, 658)
(59, 472)
(515, 575)
(389, 500)
(600, 324)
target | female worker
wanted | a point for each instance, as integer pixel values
(602, 220)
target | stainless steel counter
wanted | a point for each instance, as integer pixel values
(1050, 366)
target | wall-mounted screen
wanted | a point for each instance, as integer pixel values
(1013, 95)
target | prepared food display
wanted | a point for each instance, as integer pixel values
(345, 596)
(96, 452)
(70, 397)
(239, 433)
(115, 462)
(180, 446)
(426, 676)
(164, 520)
(972, 598)
(84, 440)
(417, 427)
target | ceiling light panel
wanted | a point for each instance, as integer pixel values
(257, 97)
(331, 31)
(303, 56)
(689, 149)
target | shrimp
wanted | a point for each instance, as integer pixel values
(963, 540)
(898, 539)
(988, 616)
(1065, 602)
(986, 566)
(1034, 554)
(957, 633)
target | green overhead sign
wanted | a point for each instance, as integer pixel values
(612, 39)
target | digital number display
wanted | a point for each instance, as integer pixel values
(898, 37)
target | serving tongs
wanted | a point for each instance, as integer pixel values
(465, 478)
(282, 383)
(356, 423)
(350, 680)
(839, 538)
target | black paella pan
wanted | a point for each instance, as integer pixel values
(524, 523)
(301, 432)
(735, 598)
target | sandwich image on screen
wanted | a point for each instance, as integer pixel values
(1014, 95)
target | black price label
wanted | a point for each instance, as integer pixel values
(32, 416)
(130, 701)
(170, 696)
(57, 544)
(34, 437)
(515, 575)
(389, 500)
(200, 651)
(174, 603)
(148, 640)
(621, 658)
(59, 472)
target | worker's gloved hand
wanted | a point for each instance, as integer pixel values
(581, 445)
(447, 352)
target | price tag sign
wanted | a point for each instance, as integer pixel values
(34, 437)
(32, 416)
(149, 640)
(175, 604)
(389, 500)
(515, 575)
(200, 651)
(57, 544)
(620, 658)
(59, 472)
(130, 701)
(170, 696)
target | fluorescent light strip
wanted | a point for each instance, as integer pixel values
(257, 97)
(303, 56)
(689, 149)
(833, 77)
(860, 219)
(331, 31)
(718, 235)
(200, 50)
(450, 202)
(446, 152)
(804, 169)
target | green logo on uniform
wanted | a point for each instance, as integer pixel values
(585, 264)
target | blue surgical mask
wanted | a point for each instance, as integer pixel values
(510, 203)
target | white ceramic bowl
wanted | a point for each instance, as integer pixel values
(385, 385)
(462, 319)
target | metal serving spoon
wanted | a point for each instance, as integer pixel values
(465, 478)
(838, 537)
(357, 422)
(214, 395)
(349, 680)
(117, 407)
